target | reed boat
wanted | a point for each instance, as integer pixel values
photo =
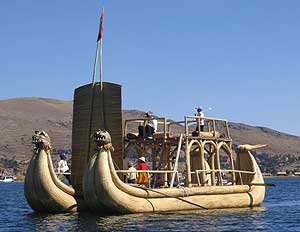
(186, 167)
(104, 191)
(99, 187)
(43, 190)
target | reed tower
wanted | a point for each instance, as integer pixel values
(96, 106)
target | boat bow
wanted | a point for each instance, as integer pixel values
(43, 190)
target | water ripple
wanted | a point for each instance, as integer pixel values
(279, 212)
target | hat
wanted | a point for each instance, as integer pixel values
(199, 109)
(63, 156)
(142, 159)
(149, 113)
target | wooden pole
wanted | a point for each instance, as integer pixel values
(188, 177)
(101, 48)
(202, 165)
(176, 161)
(232, 164)
(219, 174)
(92, 100)
(95, 64)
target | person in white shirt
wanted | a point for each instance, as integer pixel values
(201, 122)
(200, 114)
(131, 176)
(151, 126)
(62, 167)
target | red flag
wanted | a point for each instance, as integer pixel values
(101, 29)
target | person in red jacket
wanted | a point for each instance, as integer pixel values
(143, 176)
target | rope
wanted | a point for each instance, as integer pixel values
(115, 164)
(90, 121)
(167, 195)
(103, 109)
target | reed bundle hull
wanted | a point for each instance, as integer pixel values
(43, 190)
(112, 195)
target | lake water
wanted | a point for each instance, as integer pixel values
(280, 212)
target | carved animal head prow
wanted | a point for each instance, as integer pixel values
(103, 139)
(41, 140)
(249, 147)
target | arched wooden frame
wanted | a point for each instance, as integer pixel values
(212, 159)
(188, 160)
(228, 151)
(201, 145)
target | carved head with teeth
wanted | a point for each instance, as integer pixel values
(103, 139)
(41, 140)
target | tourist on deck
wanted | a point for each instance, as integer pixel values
(142, 176)
(131, 176)
(200, 114)
(200, 121)
(150, 128)
(62, 167)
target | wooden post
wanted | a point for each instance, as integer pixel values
(188, 164)
(165, 158)
(214, 127)
(101, 84)
(165, 128)
(186, 126)
(176, 161)
(187, 156)
(212, 165)
(202, 165)
(232, 165)
(219, 166)
(227, 130)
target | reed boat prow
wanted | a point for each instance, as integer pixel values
(43, 190)
(246, 161)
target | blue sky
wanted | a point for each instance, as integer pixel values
(242, 58)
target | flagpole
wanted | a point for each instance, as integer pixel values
(95, 64)
(101, 43)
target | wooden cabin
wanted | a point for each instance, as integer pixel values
(202, 151)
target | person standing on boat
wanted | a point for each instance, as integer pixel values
(131, 176)
(200, 114)
(150, 128)
(62, 167)
(143, 178)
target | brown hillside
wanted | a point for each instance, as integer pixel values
(20, 117)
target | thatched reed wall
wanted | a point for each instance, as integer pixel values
(103, 110)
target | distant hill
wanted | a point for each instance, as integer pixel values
(20, 117)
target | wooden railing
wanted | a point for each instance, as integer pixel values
(210, 122)
(143, 122)
(165, 172)
(240, 172)
(189, 120)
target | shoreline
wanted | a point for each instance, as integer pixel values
(281, 177)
